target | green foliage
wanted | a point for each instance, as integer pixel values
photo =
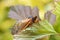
(44, 27)
(6, 36)
(39, 29)
(57, 23)
(55, 37)
(57, 13)
(4, 14)
(5, 23)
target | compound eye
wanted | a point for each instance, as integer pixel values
(33, 18)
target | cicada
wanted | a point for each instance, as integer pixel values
(24, 15)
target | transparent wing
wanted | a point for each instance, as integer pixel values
(35, 12)
(28, 11)
(21, 12)
(13, 14)
(21, 9)
(17, 12)
(50, 17)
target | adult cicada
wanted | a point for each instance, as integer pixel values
(24, 15)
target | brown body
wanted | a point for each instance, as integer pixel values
(21, 13)
(27, 23)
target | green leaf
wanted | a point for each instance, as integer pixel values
(57, 13)
(39, 29)
(55, 37)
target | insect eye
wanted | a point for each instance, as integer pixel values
(34, 18)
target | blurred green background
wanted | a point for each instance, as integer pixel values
(43, 5)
